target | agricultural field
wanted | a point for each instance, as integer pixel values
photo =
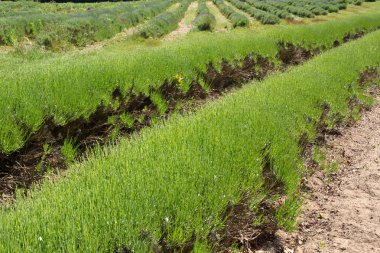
(183, 125)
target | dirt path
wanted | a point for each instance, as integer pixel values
(6, 49)
(252, 22)
(222, 23)
(344, 215)
(118, 37)
(185, 25)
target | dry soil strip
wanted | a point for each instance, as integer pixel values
(344, 216)
(118, 37)
(222, 23)
(185, 25)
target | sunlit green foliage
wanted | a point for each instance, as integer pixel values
(165, 22)
(262, 16)
(176, 179)
(236, 18)
(69, 87)
(204, 21)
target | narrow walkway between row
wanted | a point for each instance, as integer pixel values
(186, 23)
(222, 23)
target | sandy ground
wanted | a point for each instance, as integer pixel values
(222, 23)
(117, 38)
(183, 26)
(342, 213)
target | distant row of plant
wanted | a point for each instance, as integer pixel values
(236, 18)
(165, 22)
(359, 2)
(72, 1)
(60, 25)
(271, 11)
(204, 21)
(22, 8)
(262, 16)
(57, 26)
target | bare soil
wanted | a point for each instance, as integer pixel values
(222, 23)
(342, 213)
(295, 21)
(183, 26)
(6, 49)
(118, 37)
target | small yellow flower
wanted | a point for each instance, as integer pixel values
(179, 79)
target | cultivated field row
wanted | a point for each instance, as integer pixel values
(60, 26)
(167, 188)
(56, 26)
(50, 92)
(54, 145)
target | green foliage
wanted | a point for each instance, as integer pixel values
(328, 167)
(177, 179)
(356, 2)
(165, 22)
(201, 247)
(50, 82)
(58, 26)
(288, 6)
(237, 19)
(79, 1)
(127, 120)
(159, 102)
(46, 151)
(204, 21)
(266, 7)
(69, 151)
(287, 213)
